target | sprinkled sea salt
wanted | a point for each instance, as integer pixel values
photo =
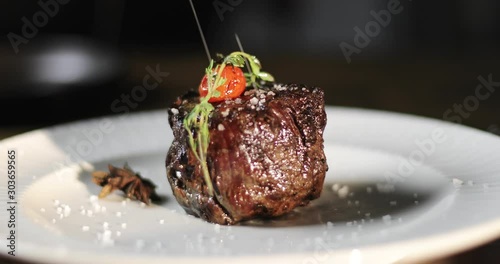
(162, 221)
(343, 192)
(124, 225)
(174, 111)
(42, 210)
(386, 218)
(105, 225)
(118, 214)
(221, 127)
(335, 187)
(86, 166)
(67, 210)
(225, 113)
(254, 101)
(93, 198)
(457, 182)
(85, 228)
(56, 202)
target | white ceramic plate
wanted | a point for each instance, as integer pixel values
(399, 187)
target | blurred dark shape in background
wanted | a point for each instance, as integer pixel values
(65, 60)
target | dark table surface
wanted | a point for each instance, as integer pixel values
(418, 86)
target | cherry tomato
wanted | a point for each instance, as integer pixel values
(233, 87)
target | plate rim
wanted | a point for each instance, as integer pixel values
(479, 234)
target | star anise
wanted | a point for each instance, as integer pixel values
(126, 180)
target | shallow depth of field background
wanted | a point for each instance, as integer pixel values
(89, 58)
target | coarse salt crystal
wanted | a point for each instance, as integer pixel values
(225, 113)
(343, 192)
(457, 182)
(93, 198)
(254, 101)
(162, 221)
(85, 228)
(174, 111)
(386, 218)
(221, 127)
(124, 225)
(67, 211)
(118, 214)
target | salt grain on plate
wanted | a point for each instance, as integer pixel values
(162, 221)
(118, 214)
(56, 202)
(85, 228)
(42, 210)
(343, 192)
(67, 210)
(335, 187)
(221, 127)
(457, 182)
(124, 225)
(93, 198)
(386, 218)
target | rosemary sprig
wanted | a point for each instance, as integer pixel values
(197, 121)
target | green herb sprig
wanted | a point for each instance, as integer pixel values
(197, 121)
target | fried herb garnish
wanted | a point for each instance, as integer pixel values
(197, 121)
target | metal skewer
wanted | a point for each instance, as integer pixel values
(241, 49)
(201, 32)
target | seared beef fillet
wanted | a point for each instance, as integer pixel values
(265, 155)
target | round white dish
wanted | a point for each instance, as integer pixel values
(398, 188)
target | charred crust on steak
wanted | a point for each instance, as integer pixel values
(265, 155)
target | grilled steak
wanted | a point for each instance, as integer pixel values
(265, 155)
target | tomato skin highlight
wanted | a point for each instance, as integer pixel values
(233, 87)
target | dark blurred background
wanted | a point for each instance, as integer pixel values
(66, 60)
